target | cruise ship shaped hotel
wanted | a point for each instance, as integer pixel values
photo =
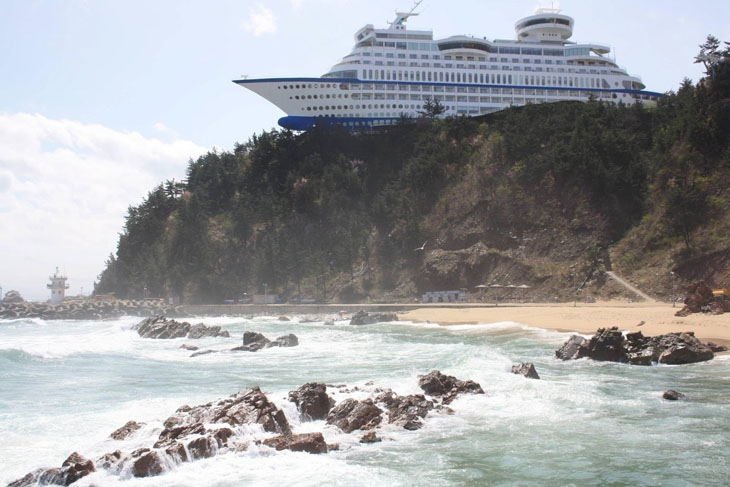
(391, 72)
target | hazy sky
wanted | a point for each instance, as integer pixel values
(101, 100)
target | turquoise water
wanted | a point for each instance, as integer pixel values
(65, 386)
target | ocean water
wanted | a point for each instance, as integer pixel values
(66, 385)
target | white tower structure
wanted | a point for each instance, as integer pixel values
(58, 287)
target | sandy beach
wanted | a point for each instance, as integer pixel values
(658, 318)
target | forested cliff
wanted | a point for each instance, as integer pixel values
(546, 195)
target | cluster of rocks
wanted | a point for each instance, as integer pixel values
(609, 344)
(364, 318)
(700, 299)
(160, 327)
(88, 310)
(203, 431)
(253, 342)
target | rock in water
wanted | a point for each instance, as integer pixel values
(636, 349)
(406, 411)
(526, 369)
(370, 437)
(351, 415)
(364, 318)
(161, 328)
(200, 331)
(312, 401)
(606, 345)
(126, 431)
(13, 297)
(447, 387)
(289, 340)
(672, 395)
(308, 442)
(75, 467)
(571, 349)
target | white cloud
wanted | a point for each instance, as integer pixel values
(165, 130)
(64, 190)
(296, 4)
(261, 20)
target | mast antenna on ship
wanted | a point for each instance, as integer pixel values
(402, 17)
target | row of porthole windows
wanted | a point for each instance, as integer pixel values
(310, 86)
(364, 107)
(309, 97)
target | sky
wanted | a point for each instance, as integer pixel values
(102, 100)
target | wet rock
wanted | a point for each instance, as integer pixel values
(284, 318)
(606, 346)
(447, 387)
(308, 442)
(75, 467)
(571, 349)
(191, 348)
(202, 331)
(527, 369)
(160, 327)
(636, 349)
(148, 465)
(672, 395)
(329, 322)
(203, 352)
(405, 411)
(110, 461)
(289, 340)
(312, 401)
(253, 342)
(370, 437)
(716, 348)
(364, 318)
(250, 406)
(126, 431)
(351, 415)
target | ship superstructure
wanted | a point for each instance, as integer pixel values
(392, 72)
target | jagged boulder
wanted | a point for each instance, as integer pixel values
(701, 299)
(160, 327)
(200, 331)
(308, 442)
(75, 467)
(447, 387)
(405, 411)
(364, 318)
(253, 342)
(610, 345)
(126, 431)
(527, 369)
(289, 340)
(351, 415)
(672, 395)
(571, 349)
(370, 437)
(312, 401)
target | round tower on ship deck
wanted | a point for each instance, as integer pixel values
(546, 25)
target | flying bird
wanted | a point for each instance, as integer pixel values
(422, 247)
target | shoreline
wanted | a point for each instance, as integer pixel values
(585, 319)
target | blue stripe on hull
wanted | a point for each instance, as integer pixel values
(307, 123)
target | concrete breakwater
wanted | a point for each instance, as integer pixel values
(90, 310)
